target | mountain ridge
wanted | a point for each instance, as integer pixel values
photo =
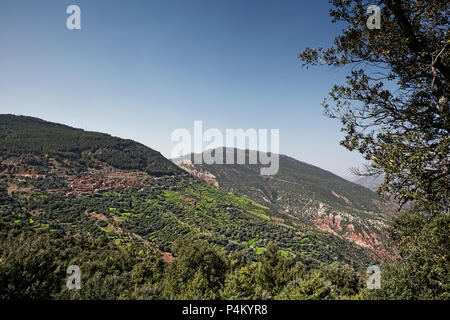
(92, 185)
(304, 193)
(310, 172)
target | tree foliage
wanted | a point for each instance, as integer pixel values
(422, 269)
(38, 271)
(394, 107)
(394, 110)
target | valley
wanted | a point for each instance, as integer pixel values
(67, 184)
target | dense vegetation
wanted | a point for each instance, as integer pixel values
(163, 210)
(396, 114)
(156, 210)
(228, 247)
(299, 179)
(396, 111)
(302, 193)
(165, 237)
(33, 266)
(422, 270)
(26, 135)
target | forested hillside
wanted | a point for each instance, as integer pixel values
(33, 266)
(94, 186)
(125, 214)
(22, 136)
(303, 193)
(139, 226)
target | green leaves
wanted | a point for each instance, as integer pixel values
(422, 270)
(402, 124)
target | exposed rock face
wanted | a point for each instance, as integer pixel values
(328, 223)
(206, 176)
(366, 234)
(340, 196)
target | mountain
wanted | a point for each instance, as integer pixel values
(303, 194)
(34, 138)
(371, 182)
(89, 185)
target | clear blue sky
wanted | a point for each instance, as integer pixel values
(140, 69)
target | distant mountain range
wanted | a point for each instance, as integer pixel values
(92, 185)
(370, 182)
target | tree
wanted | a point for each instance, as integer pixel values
(275, 271)
(27, 269)
(346, 281)
(311, 287)
(197, 267)
(422, 270)
(242, 284)
(198, 288)
(395, 111)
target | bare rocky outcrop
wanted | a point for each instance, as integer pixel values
(204, 175)
(366, 234)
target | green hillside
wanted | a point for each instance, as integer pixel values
(294, 176)
(303, 193)
(21, 135)
(92, 185)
